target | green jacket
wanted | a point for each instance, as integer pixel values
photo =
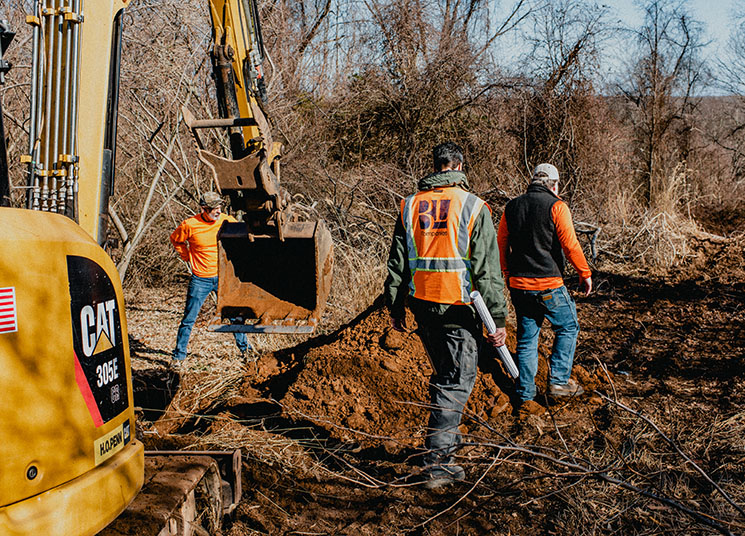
(485, 269)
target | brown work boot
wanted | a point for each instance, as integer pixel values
(571, 388)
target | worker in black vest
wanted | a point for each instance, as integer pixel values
(535, 234)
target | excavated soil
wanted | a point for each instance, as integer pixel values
(332, 427)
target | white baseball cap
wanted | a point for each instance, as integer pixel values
(546, 171)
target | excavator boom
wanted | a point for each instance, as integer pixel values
(274, 271)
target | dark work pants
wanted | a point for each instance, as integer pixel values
(454, 353)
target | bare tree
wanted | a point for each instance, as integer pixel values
(561, 122)
(303, 40)
(661, 90)
(158, 175)
(426, 64)
(731, 79)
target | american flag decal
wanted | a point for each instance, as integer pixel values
(8, 312)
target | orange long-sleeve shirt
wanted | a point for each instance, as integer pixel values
(195, 241)
(569, 244)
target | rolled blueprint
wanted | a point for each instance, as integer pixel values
(491, 327)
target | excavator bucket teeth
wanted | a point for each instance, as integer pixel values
(268, 285)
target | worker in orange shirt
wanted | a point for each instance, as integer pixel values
(534, 236)
(195, 241)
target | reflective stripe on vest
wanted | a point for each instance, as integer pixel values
(438, 225)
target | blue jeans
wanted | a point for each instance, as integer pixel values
(199, 289)
(531, 307)
(454, 353)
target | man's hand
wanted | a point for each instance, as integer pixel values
(399, 324)
(586, 285)
(497, 338)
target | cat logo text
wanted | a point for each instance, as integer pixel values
(97, 327)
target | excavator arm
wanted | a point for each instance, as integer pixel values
(237, 57)
(274, 271)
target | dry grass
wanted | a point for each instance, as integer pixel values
(653, 239)
(661, 242)
(284, 454)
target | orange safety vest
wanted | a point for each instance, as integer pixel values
(438, 225)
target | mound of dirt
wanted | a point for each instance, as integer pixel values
(368, 383)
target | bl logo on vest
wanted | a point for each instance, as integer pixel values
(434, 214)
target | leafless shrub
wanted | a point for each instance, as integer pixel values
(15, 95)
(159, 177)
(360, 211)
(658, 238)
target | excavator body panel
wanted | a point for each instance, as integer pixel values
(70, 460)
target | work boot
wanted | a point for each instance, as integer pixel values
(177, 365)
(571, 388)
(440, 476)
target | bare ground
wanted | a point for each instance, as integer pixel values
(332, 427)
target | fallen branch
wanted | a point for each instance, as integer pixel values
(580, 470)
(677, 449)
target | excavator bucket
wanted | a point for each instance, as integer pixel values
(274, 273)
(267, 285)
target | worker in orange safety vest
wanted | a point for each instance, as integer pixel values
(445, 246)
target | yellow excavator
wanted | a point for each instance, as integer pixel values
(70, 460)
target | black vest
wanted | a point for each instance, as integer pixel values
(534, 248)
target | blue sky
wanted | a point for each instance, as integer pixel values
(714, 14)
